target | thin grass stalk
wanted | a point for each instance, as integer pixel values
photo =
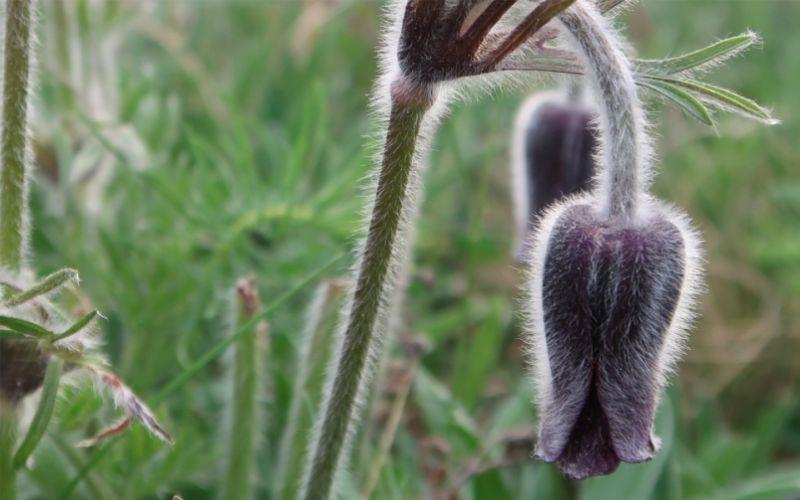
(96, 486)
(14, 227)
(9, 424)
(246, 373)
(374, 279)
(392, 425)
(316, 349)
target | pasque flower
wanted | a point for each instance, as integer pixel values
(612, 280)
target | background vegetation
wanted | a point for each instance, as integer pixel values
(181, 145)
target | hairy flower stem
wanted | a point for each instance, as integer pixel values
(13, 194)
(625, 147)
(245, 392)
(408, 108)
(8, 439)
(13, 143)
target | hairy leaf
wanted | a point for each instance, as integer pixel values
(711, 55)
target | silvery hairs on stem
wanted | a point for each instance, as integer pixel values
(429, 48)
(612, 281)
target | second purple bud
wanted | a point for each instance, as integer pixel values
(552, 156)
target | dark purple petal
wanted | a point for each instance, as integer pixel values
(609, 295)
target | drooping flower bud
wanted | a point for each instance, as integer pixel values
(552, 156)
(613, 278)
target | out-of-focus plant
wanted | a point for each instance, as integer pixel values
(247, 381)
(38, 341)
(314, 354)
(83, 42)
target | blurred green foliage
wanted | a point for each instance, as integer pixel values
(252, 118)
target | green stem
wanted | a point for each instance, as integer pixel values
(14, 230)
(9, 426)
(44, 412)
(245, 391)
(317, 347)
(373, 283)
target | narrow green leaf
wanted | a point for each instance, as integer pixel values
(12, 335)
(25, 327)
(44, 412)
(77, 326)
(46, 285)
(714, 53)
(690, 104)
(722, 98)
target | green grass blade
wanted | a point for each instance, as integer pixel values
(712, 54)
(316, 349)
(9, 427)
(686, 101)
(12, 335)
(44, 412)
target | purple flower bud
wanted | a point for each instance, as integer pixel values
(553, 157)
(609, 297)
(22, 367)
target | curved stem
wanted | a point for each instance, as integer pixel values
(14, 231)
(375, 279)
(623, 167)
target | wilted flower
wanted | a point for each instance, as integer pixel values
(613, 275)
(552, 156)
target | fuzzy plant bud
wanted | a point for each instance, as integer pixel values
(552, 156)
(612, 281)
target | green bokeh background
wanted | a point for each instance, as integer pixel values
(232, 139)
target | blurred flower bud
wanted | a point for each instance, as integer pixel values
(552, 156)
